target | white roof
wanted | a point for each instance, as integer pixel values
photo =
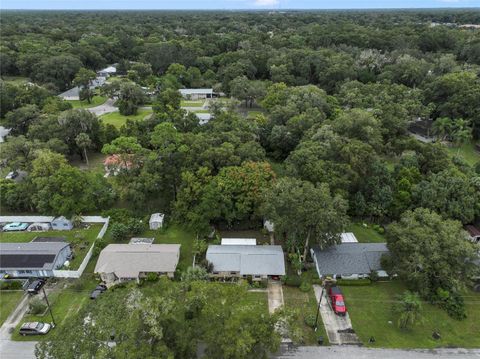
(239, 241)
(203, 117)
(348, 238)
(195, 91)
(157, 217)
(109, 69)
(129, 260)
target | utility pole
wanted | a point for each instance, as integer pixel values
(48, 305)
(318, 309)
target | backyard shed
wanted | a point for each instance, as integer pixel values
(62, 224)
(156, 221)
(473, 232)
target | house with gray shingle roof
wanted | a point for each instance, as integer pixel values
(350, 260)
(241, 261)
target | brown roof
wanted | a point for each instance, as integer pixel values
(472, 230)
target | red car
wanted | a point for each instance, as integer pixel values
(338, 304)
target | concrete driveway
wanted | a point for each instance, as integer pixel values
(339, 329)
(106, 107)
(275, 295)
(14, 318)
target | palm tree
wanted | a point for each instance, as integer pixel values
(409, 307)
(461, 136)
(442, 127)
(83, 141)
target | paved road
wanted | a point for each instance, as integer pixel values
(104, 108)
(334, 323)
(275, 295)
(354, 352)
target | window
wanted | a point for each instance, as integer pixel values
(215, 272)
(234, 273)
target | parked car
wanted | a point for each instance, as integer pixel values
(336, 298)
(15, 226)
(35, 286)
(35, 328)
(98, 290)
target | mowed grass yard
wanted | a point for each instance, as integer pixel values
(198, 103)
(96, 101)
(467, 151)
(118, 120)
(365, 234)
(81, 240)
(8, 301)
(305, 304)
(370, 309)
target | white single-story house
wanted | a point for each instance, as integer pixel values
(71, 95)
(239, 241)
(156, 221)
(349, 260)
(196, 94)
(242, 261)
(107, 71)
(123, 262)
(473, 233)
(33, 259)
(62, 224)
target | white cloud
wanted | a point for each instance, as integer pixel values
(266, 2)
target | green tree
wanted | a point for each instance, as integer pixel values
(130, 97)
(83, 141)
(409, 309)
(82, 79)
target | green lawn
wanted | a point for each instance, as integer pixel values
(175, 234)
(95, 162)
(17, 80)
(467, 151)
(118, 120)
(96, 101)
(192, 103)
(8, 301)
(81, 240)
(64, 302)
(370, 309)
(305, 304)
(365, 234)
(201, 111)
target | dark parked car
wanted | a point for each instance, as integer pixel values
(35, 286)
(35, 328)
(336, 297)
(98, 290)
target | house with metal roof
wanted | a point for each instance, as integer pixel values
(123, 262)
(473, 233)
(350, 260)
(196, 94)
(33, 259)
(242, 261)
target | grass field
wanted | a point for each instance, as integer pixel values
(8, 301)
(366, 234)
(467, 151)
(118, 120)
(81, 240)
(17, 80)
(95, 161)
(370, 309)
(305, 305)
(96, 101)
(192, 103)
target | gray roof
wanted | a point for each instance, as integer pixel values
(31, 255)
(196, 91)
(349, 258)
(247, 259)
(75, 91)
(129, 260)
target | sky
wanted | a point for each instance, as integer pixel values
(233, 4)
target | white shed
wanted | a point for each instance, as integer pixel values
(156, 220)
(348, 238)
(269, 226)
(239, 241)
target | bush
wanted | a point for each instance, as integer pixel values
(37, 306)
(305, 287)
(310, 320)
(119, 232)
(452, 302)
(151, 277)
(11, 285)
(374, 276)
(354, 282)
(293, 281)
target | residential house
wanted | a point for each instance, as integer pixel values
(71, 95)
(239, 241)
(107, 71)
(33, 259)
(196, 94)
(350, 260)
(123, 262)
(473, 233)
(243, 261)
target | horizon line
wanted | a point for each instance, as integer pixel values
(245, 9)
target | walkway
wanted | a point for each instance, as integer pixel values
(275, 295)
(339, 329)
(14, 318)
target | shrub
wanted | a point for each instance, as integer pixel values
(305, 287)
(310, 320)
(37, 306)
(294, 281)
(374, 276)
(119, 232)
(11, 285)
(151, 277)
(452, 302)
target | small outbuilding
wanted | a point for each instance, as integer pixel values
(348, 237)
(156, 221)
(196, 94)
(269, 226)
(62, 224)
(473, 233)
(38, 227)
